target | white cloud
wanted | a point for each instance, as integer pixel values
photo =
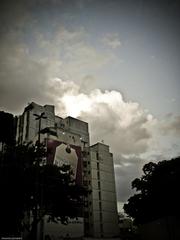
(122, 125)
(112, 40)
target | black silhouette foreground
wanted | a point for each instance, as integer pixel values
(28, 186)
(158, 192)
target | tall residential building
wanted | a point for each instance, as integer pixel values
(68, 140)
(104, 203)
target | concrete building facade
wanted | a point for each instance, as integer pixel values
(92, 165)
(104, 203)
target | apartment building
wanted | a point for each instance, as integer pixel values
(68, 139)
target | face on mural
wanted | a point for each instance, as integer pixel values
(66, 155)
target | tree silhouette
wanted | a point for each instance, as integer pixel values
(157, 192)
(7, 128)
(29, 186)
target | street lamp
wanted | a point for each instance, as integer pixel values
(38, 117)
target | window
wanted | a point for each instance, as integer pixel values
(86, 215)
(98, 166)
(85, 203)
(85, 164)
(86, 225)
(85, 183)
(27, 125)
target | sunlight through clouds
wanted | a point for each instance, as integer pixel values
(122, 124)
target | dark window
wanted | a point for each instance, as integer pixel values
(99, 195)
(86, 203)
(27, 125)
(85, 164)
(86, 225)
(98, 166)
(85, 183)
(86, 215)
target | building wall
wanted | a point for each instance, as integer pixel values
(104, 203)
(27, 129)
(59, 231)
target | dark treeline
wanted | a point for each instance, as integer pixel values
(157, 192)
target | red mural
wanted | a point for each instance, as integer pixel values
(62, 153)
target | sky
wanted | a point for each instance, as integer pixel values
(114, 64)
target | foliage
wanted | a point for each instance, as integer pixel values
(7, 123)
(157, 192)
(27, 185)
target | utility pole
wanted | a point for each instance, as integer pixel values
(38, 118)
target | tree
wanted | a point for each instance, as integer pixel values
(158, 192)
(7, 128)
(27, 185)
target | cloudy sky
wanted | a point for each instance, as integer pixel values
(114, 64)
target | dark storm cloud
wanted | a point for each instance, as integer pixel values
(22, 77)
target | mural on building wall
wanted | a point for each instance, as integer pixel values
(60, 153)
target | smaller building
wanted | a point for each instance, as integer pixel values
(125, 224)
(104, 203)
(74, 229)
